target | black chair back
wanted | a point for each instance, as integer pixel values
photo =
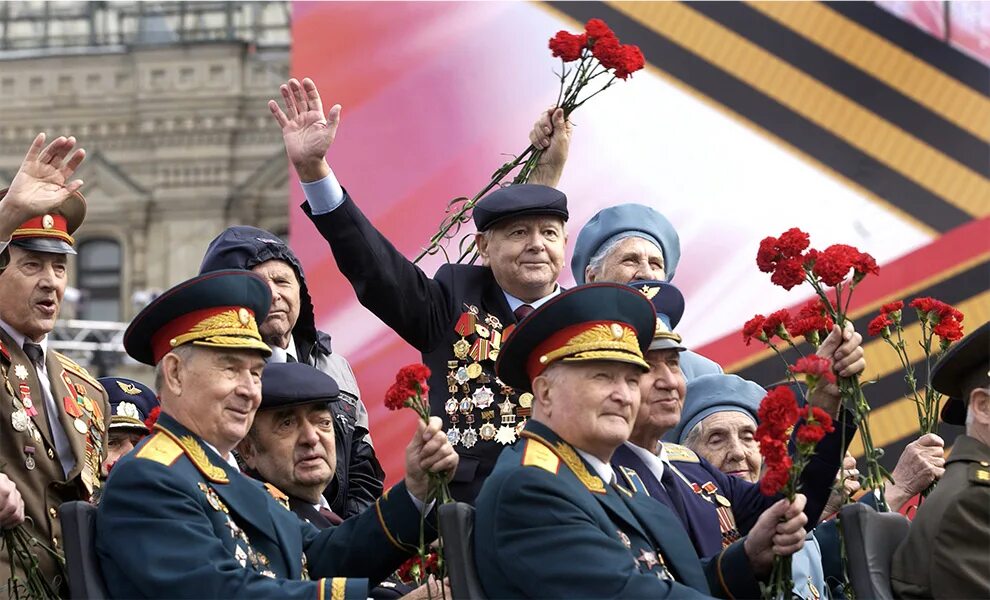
(79, 540)
(871, 539)
(457, 529)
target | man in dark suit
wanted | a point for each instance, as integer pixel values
(180, 499)
(459, 317)
(552, 521)
(52, 412)
(947, 551)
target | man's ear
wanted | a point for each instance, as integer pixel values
(542, 395)
(589, 274)
(247, 450)
(172, 373)
(979, 405)
(481, 242)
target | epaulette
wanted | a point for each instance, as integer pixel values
(676, 452)
(278, 494)
(536, 454)
(197, 455)
(161, 449)
(78, 370)
(979, 473)
(563, 452)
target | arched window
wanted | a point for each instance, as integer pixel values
(99, 280)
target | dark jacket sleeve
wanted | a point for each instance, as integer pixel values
(388, 284)
(365, 476)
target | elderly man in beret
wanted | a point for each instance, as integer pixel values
(553, 521)
(290, 330)
(180, 499)
(947, 551)
(633, 242)
(131, 406)
(715, 508)
(52, 412)
(458, 318)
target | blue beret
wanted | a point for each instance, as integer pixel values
(622, 221)
(710, 394)
(131, 402)
(519, 200)
(955, 371)
(291, 384)
(669, 304)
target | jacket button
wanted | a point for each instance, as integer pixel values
(54, 542)
(53, 513)
(51, 454)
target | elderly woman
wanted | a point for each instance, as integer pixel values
(718, 422)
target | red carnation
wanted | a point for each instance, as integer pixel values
(823, 418)
(754, 329)
(777, 324)
(597, 29)
(793, 242)
(880, 325)
(925, 304)
(814, 366)
(810, 433)
(774, 480)
(608, 51)
(767, 255)
(396, 396)
(631, 59)
(152, 418)
(892, 307)
(864, 264)
(788, 273)
(567, 45)
(833, 264)
(778, 410)
(949, 330)
(772, 449)
(412, 375)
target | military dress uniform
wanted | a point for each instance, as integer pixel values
(177, 520)
(947, 550)
(51, 447)
(550, 523)
(458, 320)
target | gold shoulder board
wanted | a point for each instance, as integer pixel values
(979, 474)
(680, 453)
(537, 454)
(161, 449)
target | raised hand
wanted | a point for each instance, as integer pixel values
(848, 476)
(306, 131)
(778, 532)
(844, 347)
(41, 184)
(552, 134)
(921, 463)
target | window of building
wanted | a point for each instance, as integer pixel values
(99, 280)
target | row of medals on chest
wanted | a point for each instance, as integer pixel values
(243, 551)
(466, 370)
(77, 404)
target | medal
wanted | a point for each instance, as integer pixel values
(29, 462)
(87, 404)
(483, 397)
(625, 539)
(451, 406)
(482, 330)
(71, 407)
(525, 400)
(80, 425)
(461, 348)
(473, 370)
(453, 436)
(487, 432)
(21, 372)
(506, 435)
(469, 438)
(461, 376)
(19, 420)
(493, 322)
(466, 406)
(465, 324)
(480, 349)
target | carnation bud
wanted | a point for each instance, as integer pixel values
(813, 338)
(895, 317)
(885, 333)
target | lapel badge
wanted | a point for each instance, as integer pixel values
(625, 539)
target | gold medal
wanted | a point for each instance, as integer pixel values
(473, 370)
(525, 400)
(80, 425)
(19, 420)
(461, 348)
(487, 432)
(87, 404)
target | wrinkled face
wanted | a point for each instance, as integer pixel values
(293, 449)
(525, 254)
(592, 404)
(632, 259)
(282, 317)
(119, 443)
(662, 391)
(31, 290)
(218, 392)
(727, 440)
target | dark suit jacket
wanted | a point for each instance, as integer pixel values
(424, 312)
(45, 485)
(547, 526)
(744, 499)
(947, 551)
(176, 521)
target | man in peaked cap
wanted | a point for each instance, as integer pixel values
(551, 520)
(633, 242)
(715, 509)
(180, 490)
(947, 551)
(51, 410)
(458, 318)
(291, 446)
(290, 330)
(131, 405)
